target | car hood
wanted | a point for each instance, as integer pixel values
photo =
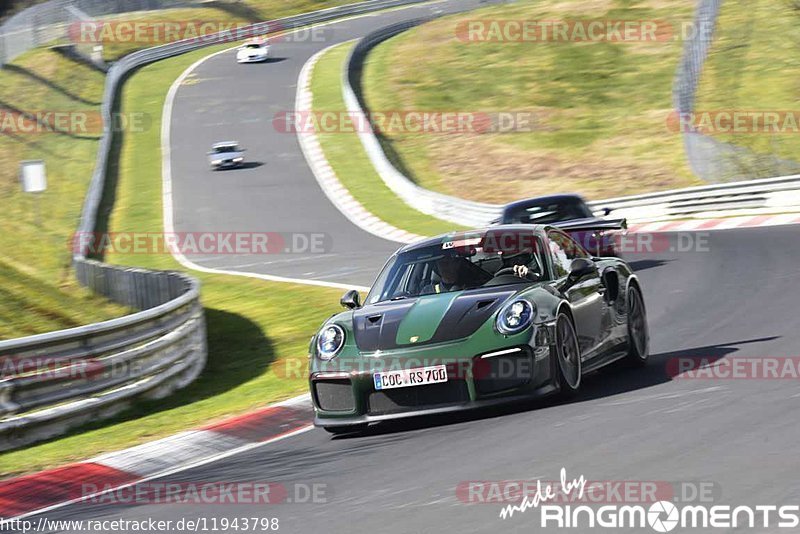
(251, 51)
(426, 320)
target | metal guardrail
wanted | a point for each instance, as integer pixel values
(55, 381)
(771, 195)
(765, 196)
(61, 379)
(94, 371)
(49, 21)
(448, 208)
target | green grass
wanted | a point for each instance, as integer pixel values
(257, 339)
(256, 335)
(350, 162)
(601, 108)
(752, 66)
(38, 292)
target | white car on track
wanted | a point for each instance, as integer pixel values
(226, 155)
(253, 51)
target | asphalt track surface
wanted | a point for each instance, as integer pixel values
(276, 191)
(734, 294)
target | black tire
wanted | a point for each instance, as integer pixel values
(341, 430)
(638, 332)
(568, 356)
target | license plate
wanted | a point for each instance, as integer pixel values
(404, 378)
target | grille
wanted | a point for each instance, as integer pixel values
(503, 372)
(402, 399)
(334, 395)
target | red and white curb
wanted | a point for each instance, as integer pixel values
(48, 490)
(325, 175)
(723, 223)
(54, 488)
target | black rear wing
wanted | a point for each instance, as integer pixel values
(593, 226)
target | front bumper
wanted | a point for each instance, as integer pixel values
(228, 164)
(252, 59)
(347, 396)
(320, 419)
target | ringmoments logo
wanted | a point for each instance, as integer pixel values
(663, 516)
(555, 502)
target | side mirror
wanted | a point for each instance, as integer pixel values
(351, 300)
(607, 210)
(581, 267)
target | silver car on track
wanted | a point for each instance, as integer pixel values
(226, 155)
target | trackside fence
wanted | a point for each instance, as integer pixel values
(764, 196)
(52, 382)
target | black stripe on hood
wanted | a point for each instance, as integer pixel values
(375, 326)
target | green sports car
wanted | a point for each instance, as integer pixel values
(474, 319)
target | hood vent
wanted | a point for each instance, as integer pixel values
(483, 303)
(377, 326)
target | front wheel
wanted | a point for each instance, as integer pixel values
(568, 354)
(638, 333)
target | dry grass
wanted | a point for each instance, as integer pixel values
(479, 169)
(601, 108)
(752, 66)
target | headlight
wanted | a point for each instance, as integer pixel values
(515, 317)
(238, 160)
(330, 341)
(216, 161)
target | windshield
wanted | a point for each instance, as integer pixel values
(447, 267)
(252, 45)
(226, 149)
(549, 212)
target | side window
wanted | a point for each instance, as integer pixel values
(563, 250)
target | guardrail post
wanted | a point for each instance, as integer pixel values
(7, 406)
(42, 404)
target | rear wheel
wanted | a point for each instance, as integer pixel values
(568, 354)
(638, 333)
